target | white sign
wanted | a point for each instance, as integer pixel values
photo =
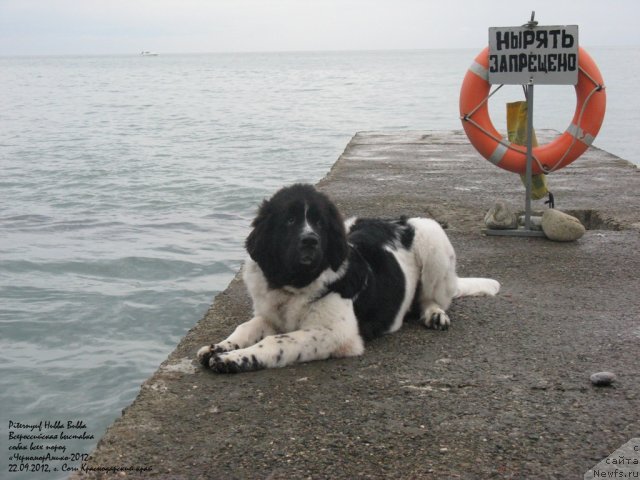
(536, 55)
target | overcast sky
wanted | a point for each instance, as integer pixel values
(34, 27)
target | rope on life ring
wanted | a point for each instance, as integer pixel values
(474, 112)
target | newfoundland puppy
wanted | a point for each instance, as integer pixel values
(321, 286)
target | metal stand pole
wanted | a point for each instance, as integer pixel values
(527, 211)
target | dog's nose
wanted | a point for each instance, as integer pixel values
(309, 240)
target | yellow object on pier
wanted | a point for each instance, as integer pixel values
(517, 134)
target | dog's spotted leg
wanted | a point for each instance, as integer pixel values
(436, 318)
(286, 349)
(244, 335)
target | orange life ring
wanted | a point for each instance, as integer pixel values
(474, 112)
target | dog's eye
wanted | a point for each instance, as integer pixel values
(291, 220)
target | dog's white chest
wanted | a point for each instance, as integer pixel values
(284, 309)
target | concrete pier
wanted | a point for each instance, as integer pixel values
(505, 393)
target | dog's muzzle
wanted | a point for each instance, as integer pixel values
(309, 248)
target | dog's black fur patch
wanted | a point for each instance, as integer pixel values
(377, 284)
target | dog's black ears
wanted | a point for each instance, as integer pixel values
(255, 240)
(338, 249)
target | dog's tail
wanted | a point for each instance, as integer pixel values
(476, 286)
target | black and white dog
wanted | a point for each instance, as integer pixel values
(321, 286)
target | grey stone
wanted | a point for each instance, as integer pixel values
(603, 379)
(501, 217)
(561, 227)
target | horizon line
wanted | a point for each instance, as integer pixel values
(266, 52)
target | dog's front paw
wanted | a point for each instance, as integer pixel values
(228, 363)
(437, 319)
(205, 353)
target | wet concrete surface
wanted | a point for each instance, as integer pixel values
(504, 393)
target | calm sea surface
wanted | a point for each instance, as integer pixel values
(127, 185)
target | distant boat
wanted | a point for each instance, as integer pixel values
(146, 53)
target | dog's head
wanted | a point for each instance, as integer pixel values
(297, 234)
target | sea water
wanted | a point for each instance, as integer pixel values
(128, 183)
